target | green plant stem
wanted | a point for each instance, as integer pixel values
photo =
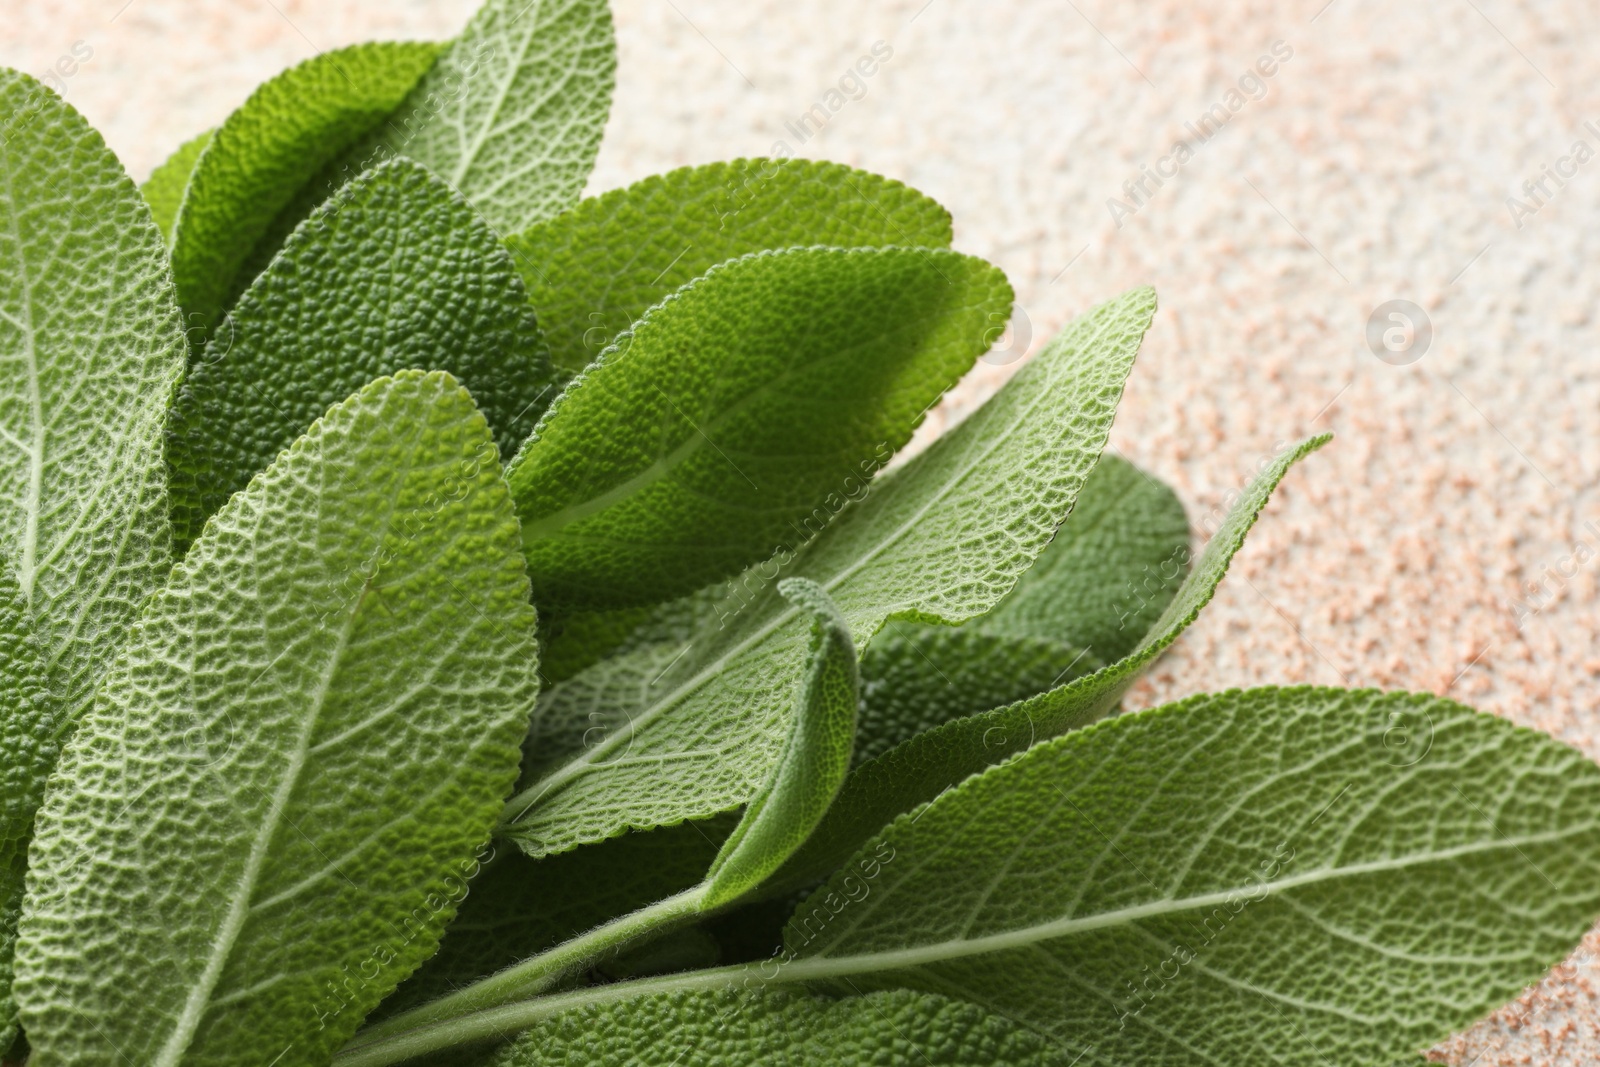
(535, 975)
(369, 1049)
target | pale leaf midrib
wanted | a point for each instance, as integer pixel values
(923, 955)
(35, 494)
(239, 908)
(469, 154)
(520, 1016)
(199, 1000)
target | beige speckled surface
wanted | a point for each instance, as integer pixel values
(1376, 166)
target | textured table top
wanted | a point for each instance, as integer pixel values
(1448, 540)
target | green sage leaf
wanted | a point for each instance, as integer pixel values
(93, 346)
(1268, 866)
(739, 414)
(512, 113)
(595, 270)
(287, 772)
(936, 760)
(394, 272)
(942, 538)
(265, 151)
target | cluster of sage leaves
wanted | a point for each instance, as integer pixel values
(447, 619)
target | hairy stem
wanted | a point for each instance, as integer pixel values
(535, 975)
(509, 1019)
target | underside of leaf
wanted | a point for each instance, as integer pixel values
(90, 351)
(511, 115)
(269, 816)
(942, 538)
(1244, 878)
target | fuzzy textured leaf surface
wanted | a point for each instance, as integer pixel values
(581, 639)
(815, 758)
(1091, 595)
(917, 676)
(165, 187)
(593, 271)
(511, 115)
(394, 272)
(353, 625)
(929, 763)
(739, 1029)
(29, 725)
(1106, 578)
(740, 414)
(944, 537)
(90, 348)
(1247, 878)
(265, 151)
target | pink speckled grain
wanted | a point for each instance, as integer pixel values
(1377, 166)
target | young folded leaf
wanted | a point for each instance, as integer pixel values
(265, 151)
(1267, 866)
(1088, 599)
(931, 762)
(394, 272)
(593, 271)
(899, 1028)
(165, 187)
(739, 414)
(304, 743)
(512, 113)
(92, 346)
(814, 761)
(944, 538)
(1270, 865)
